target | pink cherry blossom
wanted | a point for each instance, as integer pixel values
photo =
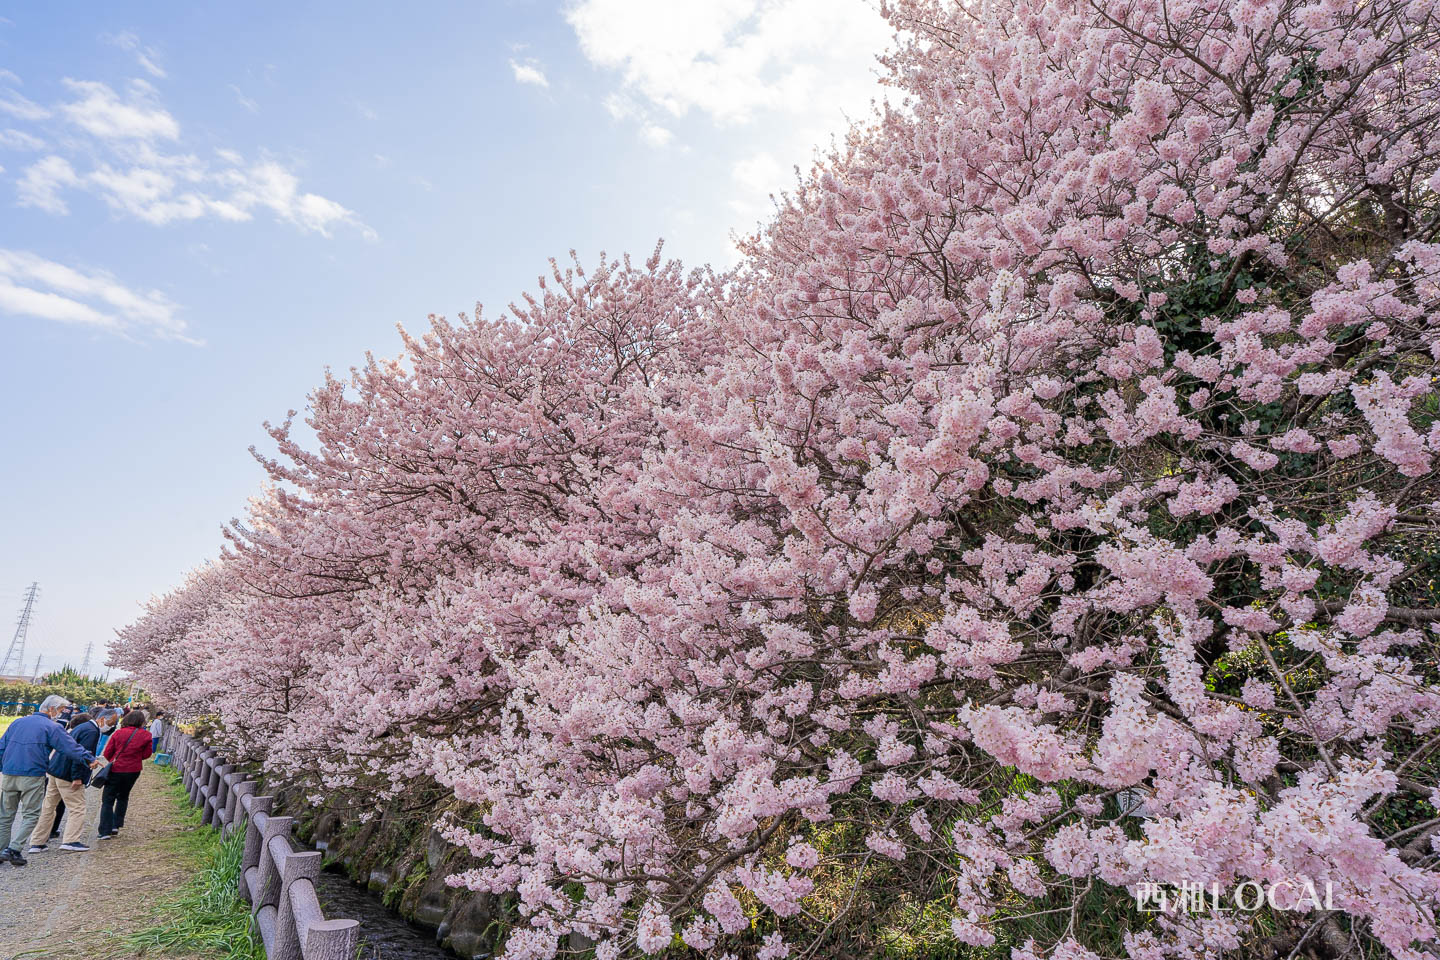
(1043, 506)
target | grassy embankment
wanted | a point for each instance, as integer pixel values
(206, 916)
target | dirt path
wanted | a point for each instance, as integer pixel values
(82, 904)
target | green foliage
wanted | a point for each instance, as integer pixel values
(66, 682)
(398, 891)
(206, 916)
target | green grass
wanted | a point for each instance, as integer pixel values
(206, 915)
(6, 721)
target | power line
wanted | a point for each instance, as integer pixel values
(16, 653)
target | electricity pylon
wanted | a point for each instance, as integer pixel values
(85, 664)
(16, 653)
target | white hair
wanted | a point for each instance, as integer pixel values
(54, 701)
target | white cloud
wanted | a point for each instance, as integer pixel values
(529, 71)
(620, 106)
(775, 77)
(172, 189)
(20, 140)
(243, 100)
(269, 185)
(123, 163)
(101, 113)
(19, 107)
(31, 286)
(655, 135)
(734, 58)
(147, 57)
(758, 176)
(43, 181)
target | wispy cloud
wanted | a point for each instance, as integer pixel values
(43, 182)
(780, 76)
(12, 103)
(529, 71)
(243, 100)
(99, 111)
(147, 57)
(20, 140)
(31, 286)
(622, 107)
(131, 161)
(655, 135)
(734, 60)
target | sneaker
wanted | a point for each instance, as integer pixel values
(74, 847)
(104, 836)
(39, 849)
(13, 857)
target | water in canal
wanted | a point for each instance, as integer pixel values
(384, 934)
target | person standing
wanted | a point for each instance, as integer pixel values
(65, 789)
(24, 757)
(157, 729)
(127, 751)
(106, 718)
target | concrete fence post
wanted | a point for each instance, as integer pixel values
(197, 777)
(222, 794)
(237, 804)
(187, 766)
(269, 876)
(332, 940)
(298, 866)
(202, 788)
(193, 763)
(288, 915)
(254, 839)
(192, 769)
(197, 764)
(212, 790)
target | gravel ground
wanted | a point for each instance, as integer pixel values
(82, 904)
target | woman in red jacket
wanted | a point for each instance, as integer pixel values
(126, 750)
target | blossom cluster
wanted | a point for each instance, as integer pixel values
(1044, 509)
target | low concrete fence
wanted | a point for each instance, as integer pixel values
(276, 879)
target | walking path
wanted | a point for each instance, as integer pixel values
(83, 904)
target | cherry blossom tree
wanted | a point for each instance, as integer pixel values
(1043, 512)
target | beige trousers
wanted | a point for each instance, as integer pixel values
(74, 797)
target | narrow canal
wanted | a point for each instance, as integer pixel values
(384, 934)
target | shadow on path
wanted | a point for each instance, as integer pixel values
(83, 904)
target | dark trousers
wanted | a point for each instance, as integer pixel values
(114, 800)
(59, 812)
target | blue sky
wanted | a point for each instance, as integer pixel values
(203, 206)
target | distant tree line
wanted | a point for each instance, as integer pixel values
(17, 696)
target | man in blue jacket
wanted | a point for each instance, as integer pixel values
(65, 781)
(24, 757)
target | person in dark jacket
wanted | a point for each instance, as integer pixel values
(126, 750)
(65, 784)
(24, 758)
(106, 718)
